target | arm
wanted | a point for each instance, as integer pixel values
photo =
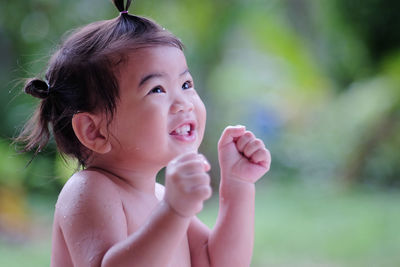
(231, 241)
(92, 219)
(153, 244)
(243, 160)
(187, 186)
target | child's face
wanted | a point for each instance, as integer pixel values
(159, 115)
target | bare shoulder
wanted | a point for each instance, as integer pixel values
(86, 186)
(89, 212)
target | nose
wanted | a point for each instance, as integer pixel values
(182, 104)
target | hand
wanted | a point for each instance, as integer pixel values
(187, 184)
(242, 155)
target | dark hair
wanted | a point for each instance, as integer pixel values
(80, 77)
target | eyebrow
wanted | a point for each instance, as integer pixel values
(150, 76)
(183, 73)
(157, 75)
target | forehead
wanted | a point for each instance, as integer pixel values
(158, 59)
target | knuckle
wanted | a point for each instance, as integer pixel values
(258, 142)
(194, 163)
(202, 192)
(201, 157)
(171, 163)
(204, 178)
(229, 128)
(207, 178)
(184, 157)
(207, 192)
(259, 152)
(170, 169)
(248, 134)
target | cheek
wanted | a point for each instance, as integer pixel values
(140, 127)
(150, 126)
(201, 116)
(202, 113)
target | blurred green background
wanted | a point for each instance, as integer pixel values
(317, 80)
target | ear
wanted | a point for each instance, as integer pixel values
(91, 131)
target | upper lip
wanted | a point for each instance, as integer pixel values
(192, 124)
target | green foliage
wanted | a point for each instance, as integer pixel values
(12, 165)
(377, 31)
(298, 66)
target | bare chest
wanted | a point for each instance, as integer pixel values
(137, 216)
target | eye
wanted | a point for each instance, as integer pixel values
(156, 90)
(187, 85)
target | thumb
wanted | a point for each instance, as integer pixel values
(230, 134)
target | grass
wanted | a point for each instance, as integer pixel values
(311, 225)
(296, 225)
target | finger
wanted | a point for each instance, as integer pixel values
(194, 180)
(202, 192)
(261, 157)
(193, 166)
(244, 140)
(206, 163)
(252, 146)
(230, 133)
(184, 157)
(192, 157)
(187, 184)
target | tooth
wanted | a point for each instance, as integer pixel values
(183, 130)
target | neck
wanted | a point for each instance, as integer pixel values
(140, 178)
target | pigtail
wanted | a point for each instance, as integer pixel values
(35, 134)
(123, 9)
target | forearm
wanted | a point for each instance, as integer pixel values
(153, 244)
(231, 241)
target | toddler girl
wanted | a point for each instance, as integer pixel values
(119, 97)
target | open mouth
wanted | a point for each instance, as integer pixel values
(186, 129)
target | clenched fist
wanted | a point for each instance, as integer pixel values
(187, 184)
(241, 155)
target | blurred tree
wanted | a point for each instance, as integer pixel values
(292, 65)
(376, 22)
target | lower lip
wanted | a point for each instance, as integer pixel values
(185, 138)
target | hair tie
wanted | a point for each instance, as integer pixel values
(123, 12)
(37, 88)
